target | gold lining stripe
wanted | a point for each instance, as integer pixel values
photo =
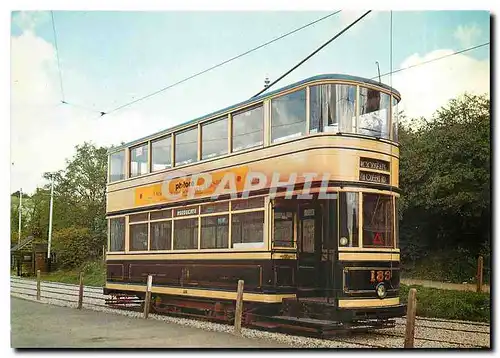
(370, 302)
(366, 256)
(254, 297)
(228, 255)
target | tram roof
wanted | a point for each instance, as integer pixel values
(330, 76)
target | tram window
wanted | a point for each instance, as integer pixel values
(117, 166)
(332, 109)
(117, 234)
(186, 234)
(186, 146)
(283, 228)
(374, 113)
(163, 214)
(288, 116)
(139, 160)
(248, 128)
(138, 217)
(377, 220)
(215, 208)
(215, 232)
(247, 228)
(348, 217)
(396, 234)
(161, 153)
(214, 138)
(245, 204)
(161, 235)
(395, 120)
(331, 240)
(138, 237)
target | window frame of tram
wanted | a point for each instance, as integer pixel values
(160, 230)
(255, 124)
(293, 105)
(117, 234)
(212, 144)
(374, 105)
(159, 145)
(137, 165)
(184, 156)
(348, 214)
(117, 157)
(138, 232)
(323, 100)
(379, 234)
(284, 223)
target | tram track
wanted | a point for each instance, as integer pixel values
(429, 333)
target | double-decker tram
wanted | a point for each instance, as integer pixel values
(295, 192)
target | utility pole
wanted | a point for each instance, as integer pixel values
(378, 67)
(50, 214)
(20, 214)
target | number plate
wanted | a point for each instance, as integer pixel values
(380, 275)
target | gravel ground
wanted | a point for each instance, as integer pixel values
(429, 333)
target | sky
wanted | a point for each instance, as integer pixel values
(108, 59)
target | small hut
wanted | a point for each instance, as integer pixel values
(29, 256)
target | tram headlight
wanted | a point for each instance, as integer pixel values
(381, 290)
(343, 241)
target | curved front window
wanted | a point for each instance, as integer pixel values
(374, 118)
(333, 109)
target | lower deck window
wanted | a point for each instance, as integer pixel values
(348, 218)
(283, 228)
(186, 234)
(215, 232)
(117, 234)
(247, 228)
(377, 220)
(138, 237)
(161, 235)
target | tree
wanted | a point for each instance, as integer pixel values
(445, 179)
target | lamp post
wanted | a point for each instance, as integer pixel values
(50, 215)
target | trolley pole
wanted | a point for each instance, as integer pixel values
(50, 215)
(20, 214)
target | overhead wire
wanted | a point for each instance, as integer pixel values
(222, 63)
(313, 53)
(57, 56)
(434, 59)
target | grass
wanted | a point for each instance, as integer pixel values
(93, 274)
(450, 304)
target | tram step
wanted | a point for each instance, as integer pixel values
(310, 322)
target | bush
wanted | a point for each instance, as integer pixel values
(75, 245)
(450, 304)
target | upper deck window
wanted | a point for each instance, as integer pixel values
(374, 110)
(186, 146)
(117, 166)
(332, 109)
(288, 116)
(248, 128)
(395, 119)
(214, 142)
(139, 160)
(161, 153)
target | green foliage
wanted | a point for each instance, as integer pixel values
(93, 274)
(74, 246)
(450, 304)
(445, 179)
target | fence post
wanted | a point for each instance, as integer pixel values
(479, 278)
(148, 296)
(239, 307)
(80, 293)
(38, 293)
(410, 318)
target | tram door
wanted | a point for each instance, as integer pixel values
(309, 250)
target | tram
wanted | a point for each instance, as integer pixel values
(295, 192)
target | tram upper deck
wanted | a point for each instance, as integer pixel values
(342, 125)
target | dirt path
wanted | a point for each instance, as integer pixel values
(444, 285)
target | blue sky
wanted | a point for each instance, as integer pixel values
(110, 58)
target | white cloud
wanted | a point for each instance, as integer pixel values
(29, 20)
(467, 34)
(426, 88)
(44, 132)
